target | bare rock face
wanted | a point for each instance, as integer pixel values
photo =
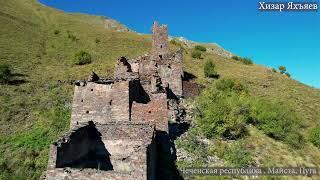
(118, 125)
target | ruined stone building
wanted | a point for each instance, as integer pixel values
(115, 121)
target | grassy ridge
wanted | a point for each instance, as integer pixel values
(35, 108)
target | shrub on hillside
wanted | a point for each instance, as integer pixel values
(222, 114)
(228, 85)
(282, 69)
(200, 48)
(226, 108)
(82, 58)
(209, 69)
(314, 136)
(5, 73)
(235, 58)
(246, 61)
(287, 74)
(174, 42)
(238, 155)
(277, 121)
(196, 54)
(56, 32)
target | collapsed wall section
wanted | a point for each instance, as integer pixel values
(112, 150)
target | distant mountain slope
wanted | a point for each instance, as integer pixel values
(211, 47)
(39, 44)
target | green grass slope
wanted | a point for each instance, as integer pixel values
(263, 83)
(39, 44)
(35, 108)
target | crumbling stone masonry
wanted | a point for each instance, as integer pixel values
(115, 121)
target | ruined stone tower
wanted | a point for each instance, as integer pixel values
(115, 121)
(159, 40)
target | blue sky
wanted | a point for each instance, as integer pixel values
(291, 39)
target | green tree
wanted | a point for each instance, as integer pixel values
(282, 69)
(223, 112)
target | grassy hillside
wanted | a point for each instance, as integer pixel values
(39, 44)
(35, 107)
(262, 83)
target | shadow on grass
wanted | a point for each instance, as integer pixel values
(17, 82)
(214, 76)
(188, 76)
(17, 79)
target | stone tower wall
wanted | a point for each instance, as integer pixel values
(154, 112)
(100, 102)
(159, 41)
